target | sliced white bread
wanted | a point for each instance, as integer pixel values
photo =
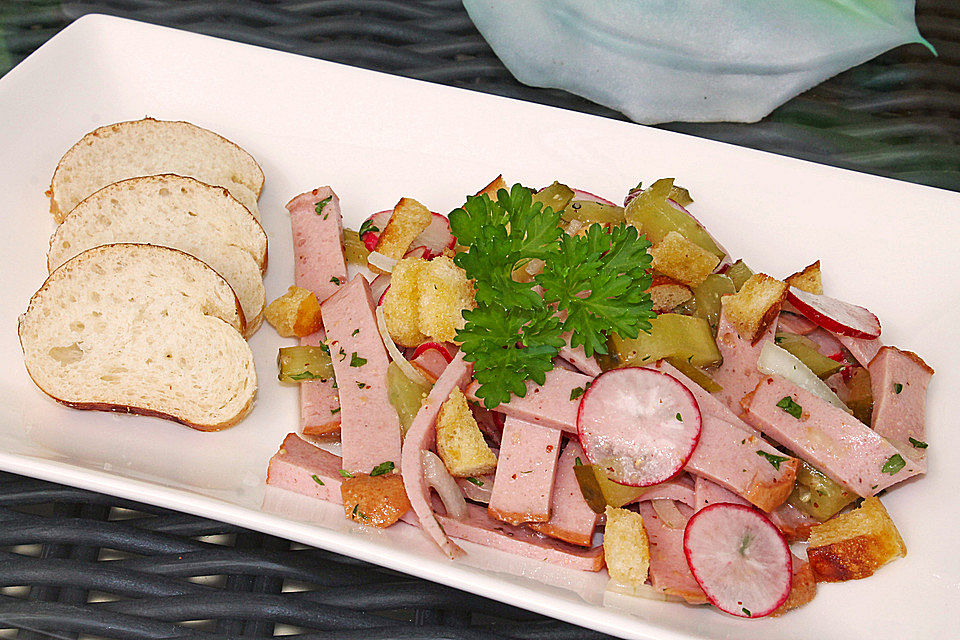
(179, 212)
(149, 147)
(141, 329)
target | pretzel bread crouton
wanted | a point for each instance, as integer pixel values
(755, 306)
(666, 293)
(682, 260)
(408, 220)
(295, 313)
(808, 280)
(460, 443)
(854, 545)
(626, 547)
(401, 303)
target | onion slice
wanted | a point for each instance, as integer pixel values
(776, 360)
(668, 513)
(395, 355)
(382, 262)
(436, 475)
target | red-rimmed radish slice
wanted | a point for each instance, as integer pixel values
(835, 315)
(433, 346)
(640, 425)
(418, 252)
(383, 295)
(579, 194)
(739, 559)
(379, 286)
(436, 238)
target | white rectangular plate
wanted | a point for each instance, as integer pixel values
(888, 245)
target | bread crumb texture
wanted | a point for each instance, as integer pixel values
(854, 545)
(460, 442)
(626, 547)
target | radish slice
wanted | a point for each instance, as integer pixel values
(379, 286)
(436, 238)
(432, 346)
(835, 315)
(394, 351)
(418, 252)
(640, 425)
(579, 194)
(739, 559)
(775, 360)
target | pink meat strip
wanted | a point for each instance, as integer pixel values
(578, 358)
(430, 363)
(727, 452)
(480, 528)
(738, 374)
(793, 523)
(669, 571)
(863, 350)
(319, 400)
(526, 470)
(793, 323)
(709, 492)
(680, 489)
(305, 469)
(571, 518)
(898, 380)
(549, 405)
(422, 436)
(827, 437)
(369, 426)
(318, 259)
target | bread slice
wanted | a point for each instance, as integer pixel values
(140, 329)
(174, 211)
(149, 147)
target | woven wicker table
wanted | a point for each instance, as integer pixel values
(76, 564)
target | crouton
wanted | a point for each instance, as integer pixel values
(401, 303)
(495, 185)
(853, 545)
(408, 220)
(755, 306)
(295, 313)
(460, 443)
(626, 547)
(807, 280)
(803, 587)
(666, 293)
(682, 260)
(378, 501)
(445, 292)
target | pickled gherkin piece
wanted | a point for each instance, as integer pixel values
(805, 350)
(354, 251)
(680, 195)
(671, 335)
(653, 215)
(739, 273)
(817, 495)
(860, 396)
(707, 294)
(304, 363)
(557, 196)
(589, 212)
(405, 395)
(599, 490)
(695, 374)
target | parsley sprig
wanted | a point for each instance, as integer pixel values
(591, 285)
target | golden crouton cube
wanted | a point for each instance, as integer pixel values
(295, 313)
(808, 280)
(803, 587)
(408, 220)
(445, 292)
(666, 293)
(755, 306)
(626, 547)
(401, 303)
(682, 260)
(495, 185)
(460, 443)
(853, 545)
(378, 500)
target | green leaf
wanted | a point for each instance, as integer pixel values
(345, 473)
(773, 459)
(787, 404)
(320, 205)
(476, 481)
(382, 468)
(919, 444)
(317, 480)
(893, 464)
(367, 227)
(357, 361)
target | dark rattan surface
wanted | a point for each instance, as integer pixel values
(79, 564)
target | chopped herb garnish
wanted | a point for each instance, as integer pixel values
(317, 480)
(335, 411)
(897, 387)
(367, 227)
(325, 348)
(919, 444)
(747, 612)
(787, 404)
(345, 473)
(679, 417)
(335, 280)
(382, 468)
(355, 332)
(773, 459)
(777, 339)
(527, 471)
(357, 361)
(476, 481)
(322, 204)
(306, 375)
(577, 462)
(893, 464)
(576, 392)
(362, 385)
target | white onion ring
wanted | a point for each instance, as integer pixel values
(437, 476)
(668, 513)
(395, 355)
(382, 262)
(641, 591)
(776, 360)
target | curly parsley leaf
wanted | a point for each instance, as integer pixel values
(601, 280)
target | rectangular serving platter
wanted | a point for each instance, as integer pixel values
(884, 244)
